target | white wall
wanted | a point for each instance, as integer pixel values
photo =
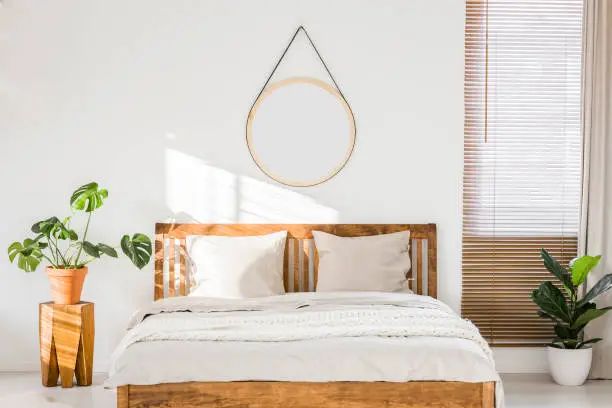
(150, 98)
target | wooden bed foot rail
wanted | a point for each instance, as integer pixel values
(255, 394)
(123, 396)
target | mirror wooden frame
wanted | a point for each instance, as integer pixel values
(249, 131)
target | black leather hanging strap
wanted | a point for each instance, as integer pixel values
(300, 28)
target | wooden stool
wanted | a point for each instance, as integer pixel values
(66, 343)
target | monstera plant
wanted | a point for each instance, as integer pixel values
(564, 304)
(67, 252)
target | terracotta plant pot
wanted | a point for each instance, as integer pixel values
(66, 284)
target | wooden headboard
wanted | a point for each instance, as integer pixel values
(301, 258)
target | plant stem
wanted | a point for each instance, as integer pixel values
(53, 264)
(57, 255)
(54, 261)
(76, 261)
(70, 255)
(88, 261)
(51, 241)
(57, 252)
(60, 252)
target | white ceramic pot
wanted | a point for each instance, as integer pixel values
(569, 367)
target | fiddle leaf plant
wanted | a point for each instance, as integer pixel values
(568, 311)
(57, 243)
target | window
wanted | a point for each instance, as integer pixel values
(522, 169)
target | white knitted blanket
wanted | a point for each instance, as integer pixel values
(294, 318)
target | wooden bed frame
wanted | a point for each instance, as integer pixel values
(300, 274)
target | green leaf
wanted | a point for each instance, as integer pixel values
(73, 235)
(28, 263)
(44, 227)
(557, 343)
(54, 227)
(600, 287)
(28, 254)
(107, 250)
(583, 308)
(14, 249)
(570, 344)
(580, 268)
(545, 315)
(557, 270)
(91, 249)
(591, 341)
(29, 246)
(65, 233)
(36, 227)
(589, 315)
(579, 311)
(88, 197)
(138, 249)
(550, 299)
(563, 332)
(48, 228)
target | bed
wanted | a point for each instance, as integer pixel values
(315, 378)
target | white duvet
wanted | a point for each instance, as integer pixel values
(344, 336)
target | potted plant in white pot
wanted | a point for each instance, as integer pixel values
(570, 354)
(57, 243)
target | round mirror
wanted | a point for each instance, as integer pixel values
(301, 132)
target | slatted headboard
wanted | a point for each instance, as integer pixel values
(301, 257)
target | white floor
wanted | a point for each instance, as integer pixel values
(23, 390)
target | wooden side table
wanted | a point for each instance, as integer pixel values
(66, 343)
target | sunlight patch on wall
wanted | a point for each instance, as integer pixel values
(199, 192)
(261, 202)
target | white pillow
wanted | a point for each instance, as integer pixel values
(237, 267)
(372, 263)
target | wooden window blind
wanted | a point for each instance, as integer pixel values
(522, 152)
